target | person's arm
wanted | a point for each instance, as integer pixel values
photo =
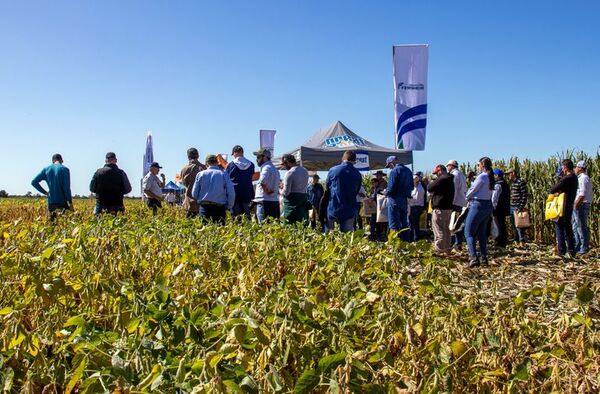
(287, 184)
(36, 182)
(264, 177)
(391, 184)
(559, 187)
(433, 186)
(126, 184)
(196, 188)
(496, 195)
(93, 184)
(66, 183)
(581, 189)
(230, 191)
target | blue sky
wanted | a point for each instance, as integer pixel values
(83, 78)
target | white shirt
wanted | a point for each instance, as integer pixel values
(170, 197)
(460, 188)
(362, 193)
(152, 183)
(270, 177)
(585, 188)
(417, 196)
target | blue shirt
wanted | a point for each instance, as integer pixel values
(214, 185)
(400, 183)
(315, 193)
(58, 179)
(480, 189)
(343, 182)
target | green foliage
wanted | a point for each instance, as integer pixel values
(138, 303)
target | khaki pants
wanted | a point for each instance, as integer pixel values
(440, 221)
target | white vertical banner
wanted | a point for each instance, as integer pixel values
(410, 95)
(267, 140)
(148, 154)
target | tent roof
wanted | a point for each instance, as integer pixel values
(171, 186)
(325, 148)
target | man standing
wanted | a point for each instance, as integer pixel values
(563, 226)
(214, 191)
(188, 177)
(267, 190)
(110, 184)
(415, 208)
(583, 202)
(343, 183)
(501, 204)
(240, 170)
(315, 193)
(152, 186)
(442, 198)
(460, 197)
(295, 183)
(58, 179)
(398, 191)
(518, 202)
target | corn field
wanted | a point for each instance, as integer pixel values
(540, 177)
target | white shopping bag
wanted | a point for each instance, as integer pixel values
(382, 206)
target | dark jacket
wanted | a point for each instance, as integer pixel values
(503, 207)
(567, 184)
(241, 171)
(442, 191)
(110, 184)
(518, 194)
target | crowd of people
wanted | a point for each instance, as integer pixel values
(459, 207)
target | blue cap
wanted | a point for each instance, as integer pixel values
(389, 160)
(498, 172)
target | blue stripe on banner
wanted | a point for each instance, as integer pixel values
(417, 124)
(411, 112)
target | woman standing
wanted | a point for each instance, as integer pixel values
(479, 197)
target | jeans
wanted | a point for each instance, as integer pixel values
(519, 232)
(153, 204)
(476, 226)
(54, 208)
(413, 219)
(398, 217)
(581, 230)
(265, 209)
(241, 208)
(346, 225)
(563, 228)
(213, 213)
(114, 209)
(440, 222)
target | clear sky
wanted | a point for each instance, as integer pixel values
(86, 77)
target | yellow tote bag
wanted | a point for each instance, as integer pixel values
(554, 206)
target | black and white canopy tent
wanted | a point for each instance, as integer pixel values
(325, 148)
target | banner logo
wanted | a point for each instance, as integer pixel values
(362, 161)
(345, 140)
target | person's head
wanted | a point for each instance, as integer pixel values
(237, 151)
(155, 168)
(452, 164)
(262, 156)
(439, 170)
(567, 166)
(498, 174)
(416, 180)
(379, 175)
(391, 161)
(513, 174)
(111, 158)
(288, 161)
(211, 160)
(374, 181)
(581, 167)
(57, 158)
(349, 156)
(471, 175)
(316, 178)
(193, 154)
(485, 165)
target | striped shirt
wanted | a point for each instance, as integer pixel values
(518, 194)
